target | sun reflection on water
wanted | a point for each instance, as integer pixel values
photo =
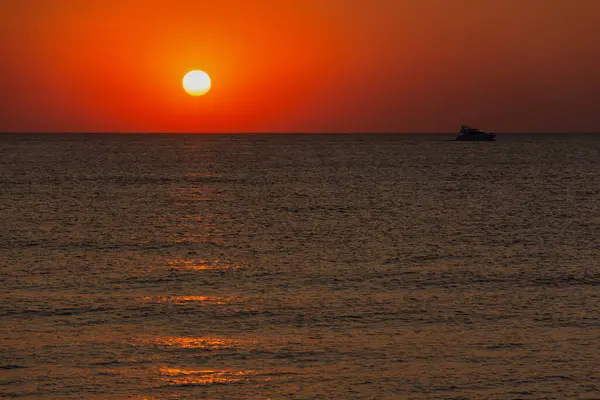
(203, 300)
(207, 343)
(179, 376)
(140, 397)
(201, 265)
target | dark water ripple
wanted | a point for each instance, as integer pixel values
(346, 267)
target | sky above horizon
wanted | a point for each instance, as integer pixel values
(300, 65)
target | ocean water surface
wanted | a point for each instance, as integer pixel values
(299, 267)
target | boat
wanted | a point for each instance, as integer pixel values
(467, 133)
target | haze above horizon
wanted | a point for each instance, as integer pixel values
(329, 66)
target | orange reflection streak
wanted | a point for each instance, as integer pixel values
(139, 397)
(205, 300)
(209, 343)
(178, 376)
(202, 265)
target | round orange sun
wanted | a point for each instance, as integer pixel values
(196, 83)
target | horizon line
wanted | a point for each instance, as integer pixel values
(283, 133)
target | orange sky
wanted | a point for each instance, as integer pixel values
(300, 65)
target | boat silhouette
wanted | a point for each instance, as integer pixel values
(468, 133)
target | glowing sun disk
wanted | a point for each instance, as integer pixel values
(196, 83)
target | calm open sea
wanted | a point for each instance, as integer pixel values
(299, 267)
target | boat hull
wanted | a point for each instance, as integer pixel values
(477, 138)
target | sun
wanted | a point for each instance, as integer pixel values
(196, 83)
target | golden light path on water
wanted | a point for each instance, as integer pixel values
(202, 300)
(209, 345)
(360, 274)
(212, 343)
(180, 376)
(201, 265)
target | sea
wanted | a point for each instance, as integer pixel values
(363, 266)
